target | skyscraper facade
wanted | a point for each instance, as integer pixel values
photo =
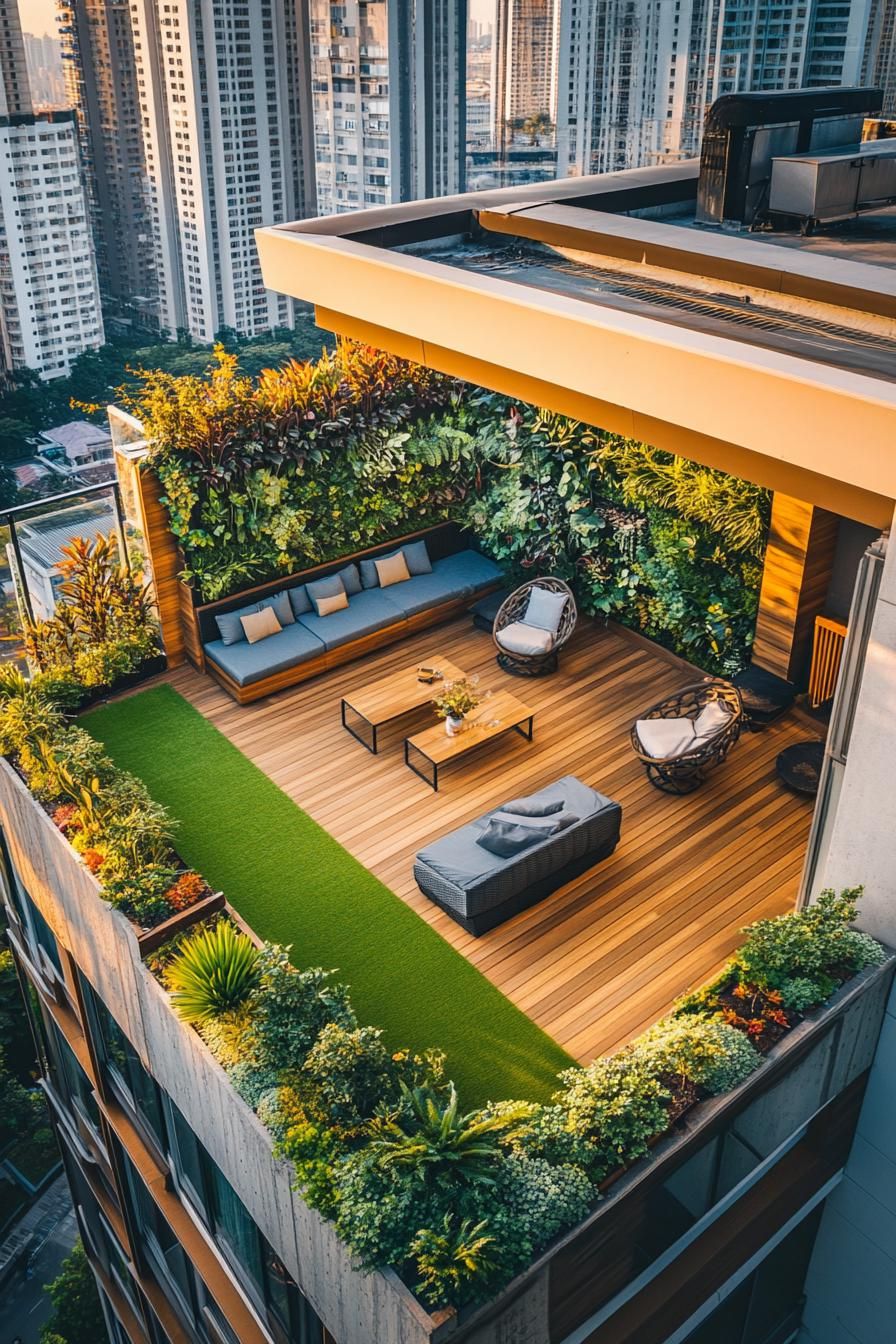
(101, 82)
(388, 81)
(49, 294)
(635, 76)
(196, 124)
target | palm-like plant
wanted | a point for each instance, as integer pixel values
(214, 972)
(431, 1138)
(453, 1259)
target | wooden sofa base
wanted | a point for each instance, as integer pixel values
(345, 653)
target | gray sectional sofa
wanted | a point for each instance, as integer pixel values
(309, 643)
(481, 889)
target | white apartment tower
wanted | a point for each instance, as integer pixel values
(526, 53)
(49, 296)
(388, 82)
(223, 88)
(635, 76)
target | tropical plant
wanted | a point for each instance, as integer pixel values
(454, 1261)
(214, 972)
(142, 895)
(431, 1138)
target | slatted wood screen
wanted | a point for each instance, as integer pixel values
(827, 650)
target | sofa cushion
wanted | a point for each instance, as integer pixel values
(545, 609)
(468, 571)
(246, 662)
(260, 624)
(422, 591)
(351, 579)
(368, 611)
(330, 587)
(416, 556)
(506, 838)
(299, 600)
(666, 739)
(524, 639)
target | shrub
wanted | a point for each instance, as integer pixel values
(292, 1007)
(61, 687)
(454, 1261)
(214, 972)
(186, 891)
(312, 1147)
(351, 1073)
(533, 1201)
(378, 1212)
(710, 1053)
(142, 895)
(229, 1036)
(72, 760)
(605, 1115)
(814, 945)
(252, 1082)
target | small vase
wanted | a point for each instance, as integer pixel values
(454, 724)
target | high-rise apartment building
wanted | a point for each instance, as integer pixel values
(49, 296)
(196, 124)
(880, 53)
(388, 80)
(526, 52)
(635, 76)
(43, 57)
(101, 82)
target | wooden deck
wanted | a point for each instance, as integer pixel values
(604, 957)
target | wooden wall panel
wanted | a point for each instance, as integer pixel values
(143, 490)
(798, 564)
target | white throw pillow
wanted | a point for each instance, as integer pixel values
(525, 639)
(664, 739)
(711, 719)
(545, 609)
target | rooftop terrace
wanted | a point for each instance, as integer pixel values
(606, 955)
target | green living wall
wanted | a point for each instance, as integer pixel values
(311, 461)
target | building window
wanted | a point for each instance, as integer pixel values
(123, 1068)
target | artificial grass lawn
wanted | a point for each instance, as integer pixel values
(294, 884)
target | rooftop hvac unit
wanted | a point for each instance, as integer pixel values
(821, 188)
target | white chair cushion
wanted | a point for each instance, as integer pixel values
(712, 718)
(664, 739)
(544, 609)
(525, 639)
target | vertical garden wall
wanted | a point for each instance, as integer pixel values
(313, 461)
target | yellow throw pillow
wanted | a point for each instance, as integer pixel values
(260, 624)
(327, 604)
(392, 569)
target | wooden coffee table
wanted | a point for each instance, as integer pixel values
(500, 713)
(379, 702)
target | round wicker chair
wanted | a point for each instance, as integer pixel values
(685, 772)
(512, 612)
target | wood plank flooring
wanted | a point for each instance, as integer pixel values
(604, 957)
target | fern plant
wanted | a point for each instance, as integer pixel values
(215, 971)
(453, 1260)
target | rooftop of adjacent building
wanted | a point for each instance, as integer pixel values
(41, 539)
(79, 438)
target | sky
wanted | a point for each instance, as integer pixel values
(38, 16)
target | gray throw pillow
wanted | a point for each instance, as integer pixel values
(505, 839)
(299, 600)
(533, 806)
(229, 626)
(330, 587)
(416, 557)
(281, 607)
(369, 576)
(351, 579)
(544, 609)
